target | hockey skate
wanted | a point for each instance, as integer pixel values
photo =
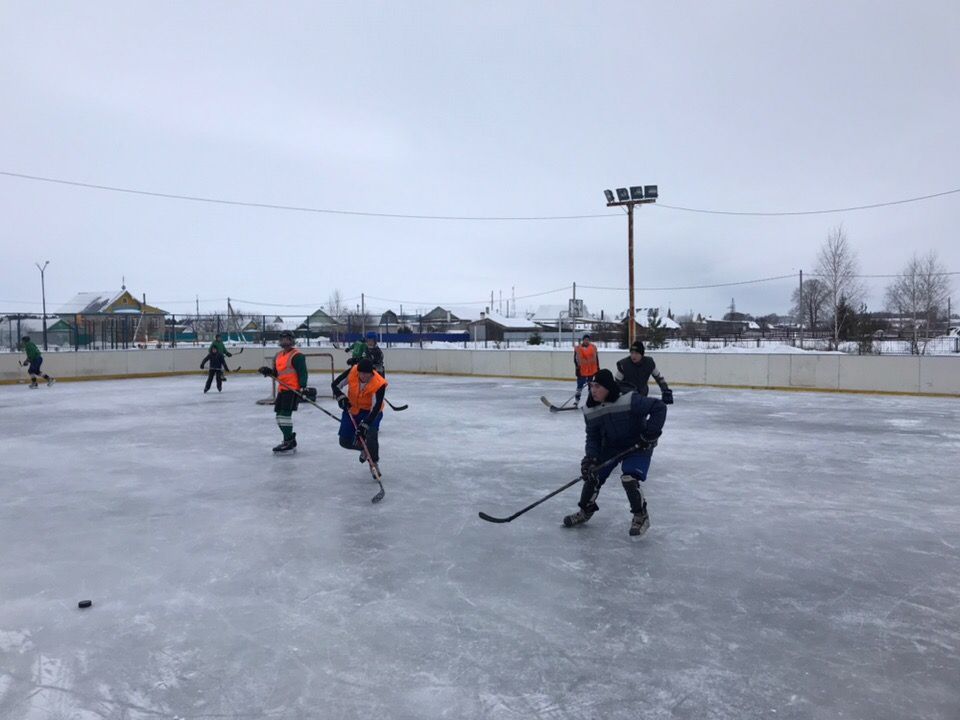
(641, 522)
(578, 518)
(50, 381)
(286, 446)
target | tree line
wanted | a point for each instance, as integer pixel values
(834, 298)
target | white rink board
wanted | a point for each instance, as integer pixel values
(811, 371)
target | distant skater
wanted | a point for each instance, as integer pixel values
(635, 370)
(222, 349)
(33, 363)
(373, 353)
(587, 364)
(218, 365)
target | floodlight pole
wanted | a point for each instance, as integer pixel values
(631, 323)
(43, 296)
(631, 327)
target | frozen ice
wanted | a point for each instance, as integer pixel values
(803, 559)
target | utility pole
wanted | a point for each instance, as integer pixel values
(363, 314)
(637, 195)
(800, 306)
(43, 296)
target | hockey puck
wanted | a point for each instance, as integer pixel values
(84, 604)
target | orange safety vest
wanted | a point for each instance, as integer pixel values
(588, 360)
(287, 376)
(362, 398)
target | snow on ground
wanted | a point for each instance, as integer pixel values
(803, 559)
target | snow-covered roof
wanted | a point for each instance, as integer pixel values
(280, 324)
(548, 312)
(87, 303)
(643, 318)
(510, 323)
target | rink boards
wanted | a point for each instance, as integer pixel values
(914, 375)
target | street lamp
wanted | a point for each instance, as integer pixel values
(43, 294)
(636, 195)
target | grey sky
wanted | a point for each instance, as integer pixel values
(469, 109)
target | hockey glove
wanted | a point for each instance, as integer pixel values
(647, 442)
(666, 394)
(362, 429)
(351, 361)
(267, 371)
(344, 402)
(588, 467)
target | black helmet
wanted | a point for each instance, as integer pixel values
(287, 334)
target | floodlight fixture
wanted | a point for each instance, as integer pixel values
(622, 194)
(636, 192)
(650, 191)
(610, 197)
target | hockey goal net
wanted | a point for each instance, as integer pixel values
(321, 371)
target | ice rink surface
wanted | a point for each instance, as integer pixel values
(803, 559)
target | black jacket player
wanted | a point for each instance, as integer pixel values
(634, 372)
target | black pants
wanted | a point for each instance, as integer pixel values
(211, 374)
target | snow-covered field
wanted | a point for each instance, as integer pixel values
(803, 559)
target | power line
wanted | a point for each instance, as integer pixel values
(478, 218)
(787, 213)
(696, 287)
(255, 303)
(295, 208)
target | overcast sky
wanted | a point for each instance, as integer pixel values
(476, 109)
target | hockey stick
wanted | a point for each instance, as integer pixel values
(561, 408)
(396, 408)
(612, 461)
(307, 400)
(374, 470)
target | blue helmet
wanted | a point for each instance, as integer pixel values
(371, 335)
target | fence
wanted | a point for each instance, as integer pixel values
(125, 331)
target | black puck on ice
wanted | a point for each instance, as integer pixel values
(84, 604)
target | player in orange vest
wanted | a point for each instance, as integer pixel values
(587, 363)
(290, 370)
(362, 406)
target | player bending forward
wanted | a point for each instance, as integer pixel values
(362, 407)
(33, 363)
(615, 422)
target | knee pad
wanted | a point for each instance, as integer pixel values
(631, 480)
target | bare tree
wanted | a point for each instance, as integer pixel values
(837, 268)
(920, 292)
(815, 296)
(335, 307)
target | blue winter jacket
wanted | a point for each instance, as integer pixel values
(613, 427)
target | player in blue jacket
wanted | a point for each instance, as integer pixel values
(614, 422)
